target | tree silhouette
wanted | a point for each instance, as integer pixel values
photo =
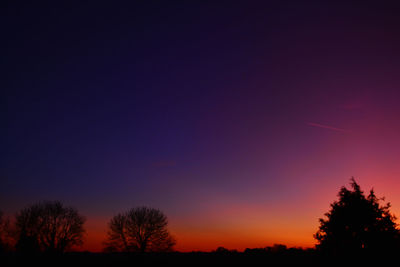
(140, 229)
(5, 233)
(357, 223)
(48, 227)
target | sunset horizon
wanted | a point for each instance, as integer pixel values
(159, 126)
(260, 231)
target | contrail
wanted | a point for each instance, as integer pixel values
(327, 127)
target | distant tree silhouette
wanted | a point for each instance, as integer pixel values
(5, 233)
(140, 229)
(357, 223)
(278, 248)
(48, 227)
(223, 250)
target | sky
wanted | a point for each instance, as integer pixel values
(240, 120)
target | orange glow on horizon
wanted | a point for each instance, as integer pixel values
(243, 226)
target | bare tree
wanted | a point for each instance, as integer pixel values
(5, 233)
(49, 227)
(140, 229)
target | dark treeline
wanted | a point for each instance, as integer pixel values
(357, 226)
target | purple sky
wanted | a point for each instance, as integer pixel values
(200, 109)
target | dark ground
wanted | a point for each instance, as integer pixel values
(249, 258)
(167, 259)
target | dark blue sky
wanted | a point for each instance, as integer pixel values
(188, 106)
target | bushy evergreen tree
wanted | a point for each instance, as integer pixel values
(357, 223)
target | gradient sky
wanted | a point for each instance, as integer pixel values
(239, 120)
